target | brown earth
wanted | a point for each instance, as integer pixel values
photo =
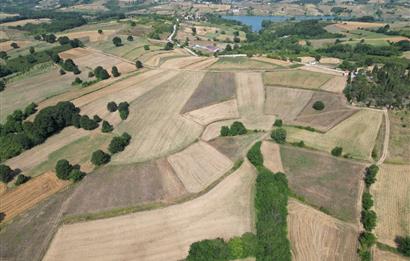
(6, 46)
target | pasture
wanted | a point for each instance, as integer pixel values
(317, 236)
(327, 182)
(26, 21)
(296, 78)
(392, 202)
(399, 137)
(225, 211)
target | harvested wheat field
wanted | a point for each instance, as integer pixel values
(380, 255)
(348, 26)
(336, 110)
(330, 60)
(154, 121)
(322, 69)
(213, 130)
(242, 63)
(399, 141)
(199, 165)
(225, 211)
(271, 156)
(26, 21)
(296, 78)
(202, 64)
(286, 103)
(214, 88)
(154, 59)
(356, 135)
(122, 186)
(392, 202)
(325, 181)
(337, 84)
(236, 147)
(6, 46)
(91, 58)
(90, 36)
(316, 236)
(216, 112)
(179, 63)
(25, 196)
(271, 60)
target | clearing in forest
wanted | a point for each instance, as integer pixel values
(356, 135)
(392, 202)
(215, 87)
(317, 236)
(25, 196)
(166, 233)
(199, 165)
(327, 182)
(296, 78)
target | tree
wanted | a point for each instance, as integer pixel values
(112, 106)
(130, 38)
(146, 47)
(367, 200)
(224, 131)
(228, 48)
(193, 31)
(279, 135)
(14, 45)
(63, 169)
(117, 144)
(97, 118)
(403, 245)
(3, 55)
(318, 105)
(337, 151)
(207, 250)
(368, 219)
(317, 57)
(76, 175)
(106, 127)
(115, 72)
(87, 124)
(90, 74)
(254, 155)
(123, 110)
(370, 176)
(99, 158)
(101, 73)
(278, 123)
(237, 128)
(2, 85)
(367, 239)
(62, 72)
(32, 50)
(21, 179)
(139, 64)
(117, 41)
(6, 173)
(169, 46)
(30, 109)
(76, 81)
(100, 31)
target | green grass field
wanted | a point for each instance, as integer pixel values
(297, 79)
(238, 63)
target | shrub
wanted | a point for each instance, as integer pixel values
(76, 175)
(30, 109)
(90, 74)
(130, 38)
(224, 131)
(254, 155)
(21, 179)
(97, 118)
(318, 105)
(207, 250)
(368, 219)
(14, 45)
(278, 123)
(237, 128)
(139, 64)
(337, 151)
(62, 72)
(118, 144)
(146, 47)
(367, 239)
(367, 200)
(99, 158)
(106, 127)
(279, 135)
(76, 121)
(63, 169)
(6, 173)
(76, 81)
(100, 31)
(112, 106)
(87, 124)
(370, 176)
(403, 245)
(123, 110)
(115, 71)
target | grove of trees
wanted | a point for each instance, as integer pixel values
(118, 143)
(279, 135)
(237, 128)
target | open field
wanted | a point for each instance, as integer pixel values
(271, 156)
(91, 58)
(286, 103)
(213, 130)
(26, 21)
(199, 165)
(156, 129)
(18, 200)
(380, 255)
(6, 46)
(348, 26)
(327, 182)
(392, 202)
(163, 234)
(216, 112)
(399, 142)
(156, 58)
(235, 147)
(317, 236)
(179, 63)
(335, 111)
(337, 84)
(202, 65)
(296, 78)
(90, 36)
(122, 186)
(214, 88)
(356, 135)
(241, 63)
(271, 60)
(322, 69)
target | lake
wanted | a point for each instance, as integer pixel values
(256, 21)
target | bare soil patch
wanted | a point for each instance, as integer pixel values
(324, 181)
(271, 156)
(121, 186)
(317, 236)
(215, 87)
(392, 202)
(199, 165)
(286, 103)
(18, 200)
(163, 234)
(296, 78)
(216, 112)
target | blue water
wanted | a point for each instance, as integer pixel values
(256, 21)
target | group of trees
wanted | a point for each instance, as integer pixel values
(66, 171)
(254, 155)
(237, 128)
(118, 143)
(101, 74)
(68, 65)
(122, 108)
(279, 135)
(218, 249)
(7, 174)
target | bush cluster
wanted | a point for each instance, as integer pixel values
(278, 123)
(112, 106)
(370, 176)
(279, 135)
(123, 110)
(99, 158)
(119, 143)
(337, 151)
(21, 179)
(66, 171)
(237, 128)
(254, 155)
